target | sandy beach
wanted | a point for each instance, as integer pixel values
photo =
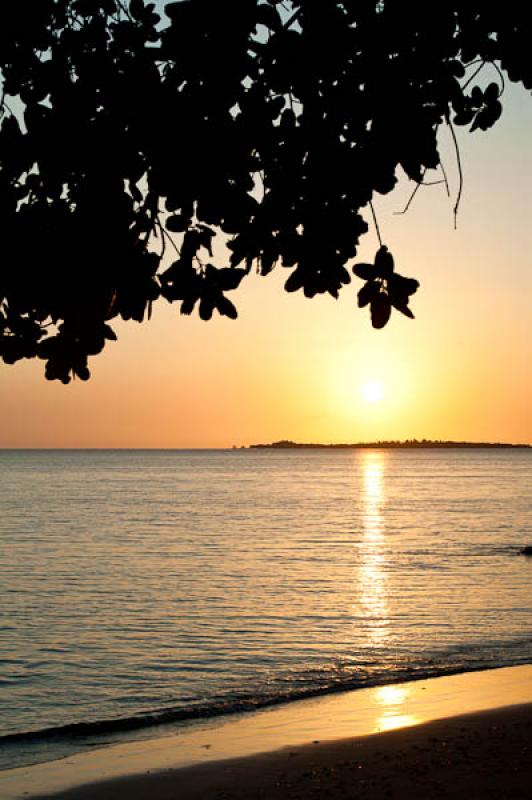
(460, 736)
(485, 755)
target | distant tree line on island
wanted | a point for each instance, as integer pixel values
(388, 444)
(132, 140)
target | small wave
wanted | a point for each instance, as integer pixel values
(245, 703)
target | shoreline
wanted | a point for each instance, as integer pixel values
(324, 728)
(486, 755)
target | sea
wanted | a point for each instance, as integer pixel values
(147, 591)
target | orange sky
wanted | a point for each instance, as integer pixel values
(294, 368)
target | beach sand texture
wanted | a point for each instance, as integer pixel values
(474, 757)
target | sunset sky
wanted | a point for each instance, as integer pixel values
(295, 368)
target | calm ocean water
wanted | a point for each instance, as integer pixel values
(142, 587)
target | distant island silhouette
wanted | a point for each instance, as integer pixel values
(286, 444)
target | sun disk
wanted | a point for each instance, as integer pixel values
(372, 392)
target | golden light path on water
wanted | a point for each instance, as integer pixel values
(372, 586)
(372, 604)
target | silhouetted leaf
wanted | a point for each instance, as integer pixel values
(491, 93)
(187, 306)
(109, 332)
(464, 117)
(229, 279)
(295, 281)
(402, 286)
(268, 16)
(380, 310)
(137, 9)
(477, 96)
(177, 223)
(383, 262)
(457, 69)
(82, 372)
(365, 271)
(368, 293)
(226, 308)
(206, 307)
(487, 116)
(205, 237)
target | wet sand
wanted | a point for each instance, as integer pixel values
(485, 755)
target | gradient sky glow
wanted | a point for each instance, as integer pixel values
(294, 368)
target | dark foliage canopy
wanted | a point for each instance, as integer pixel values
(127, 133)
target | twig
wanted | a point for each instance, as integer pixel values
(125, 10)
(418, 185)
(376, 223)
(292, 19)
(163, 244)
(409, 201)
(460, 173)
(164, 233)
(473, 76)
(501, 76)
(446, 182)
(483, 63)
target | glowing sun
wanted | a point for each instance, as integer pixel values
(372, 392)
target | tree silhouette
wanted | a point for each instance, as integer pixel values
(126, 134)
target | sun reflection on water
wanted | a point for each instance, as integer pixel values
(372, 605)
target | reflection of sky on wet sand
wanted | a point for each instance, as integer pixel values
(393, 700)
(372, 604)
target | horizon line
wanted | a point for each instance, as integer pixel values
(278, 445)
